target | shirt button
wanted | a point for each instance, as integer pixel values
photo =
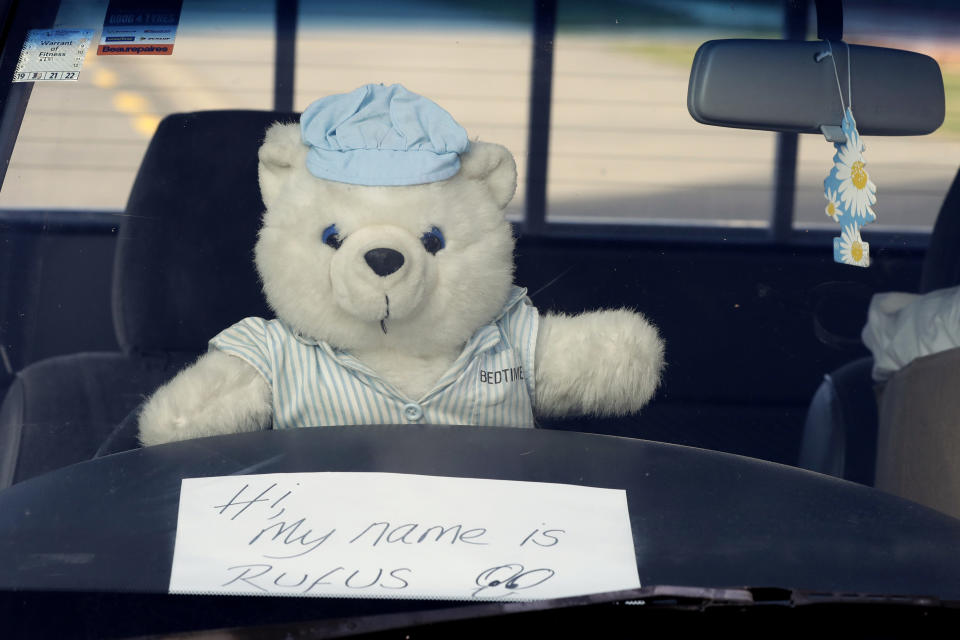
(412, 412)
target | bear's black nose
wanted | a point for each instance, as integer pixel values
(383, 261)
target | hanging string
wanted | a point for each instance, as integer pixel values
(836, 75)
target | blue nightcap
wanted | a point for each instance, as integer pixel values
(381, 136)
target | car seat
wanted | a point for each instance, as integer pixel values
(183, 271)
(840, 432)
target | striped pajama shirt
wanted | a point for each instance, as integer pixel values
(490, 384)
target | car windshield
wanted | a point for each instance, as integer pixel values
(734, 289)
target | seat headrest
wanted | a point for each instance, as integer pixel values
(184, 264)
(941, 266)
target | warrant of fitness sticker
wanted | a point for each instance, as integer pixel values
(53, 54)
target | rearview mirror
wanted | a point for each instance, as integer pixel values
(779, 85)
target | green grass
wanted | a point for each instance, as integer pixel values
(573, 15)
(673, 53)
(951, 89)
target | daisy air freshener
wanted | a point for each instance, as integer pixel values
(848, 189)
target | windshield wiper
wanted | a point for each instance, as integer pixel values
(602, 613)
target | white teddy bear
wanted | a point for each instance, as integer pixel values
(386, 256)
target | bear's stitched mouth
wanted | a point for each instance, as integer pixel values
(383, 320)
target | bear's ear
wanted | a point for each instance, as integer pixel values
(493, 165)
(281, 150)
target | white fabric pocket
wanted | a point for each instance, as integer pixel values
(904, 326)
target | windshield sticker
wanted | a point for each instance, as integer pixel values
(134, 28)
(52, 54)
(385, 535)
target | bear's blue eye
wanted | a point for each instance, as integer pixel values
(331, 237)
(433, 240)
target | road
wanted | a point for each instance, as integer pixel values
(623, 146)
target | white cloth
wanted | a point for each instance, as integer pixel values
(904, 326)
(490, 384)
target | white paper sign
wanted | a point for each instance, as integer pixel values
(384, 535)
